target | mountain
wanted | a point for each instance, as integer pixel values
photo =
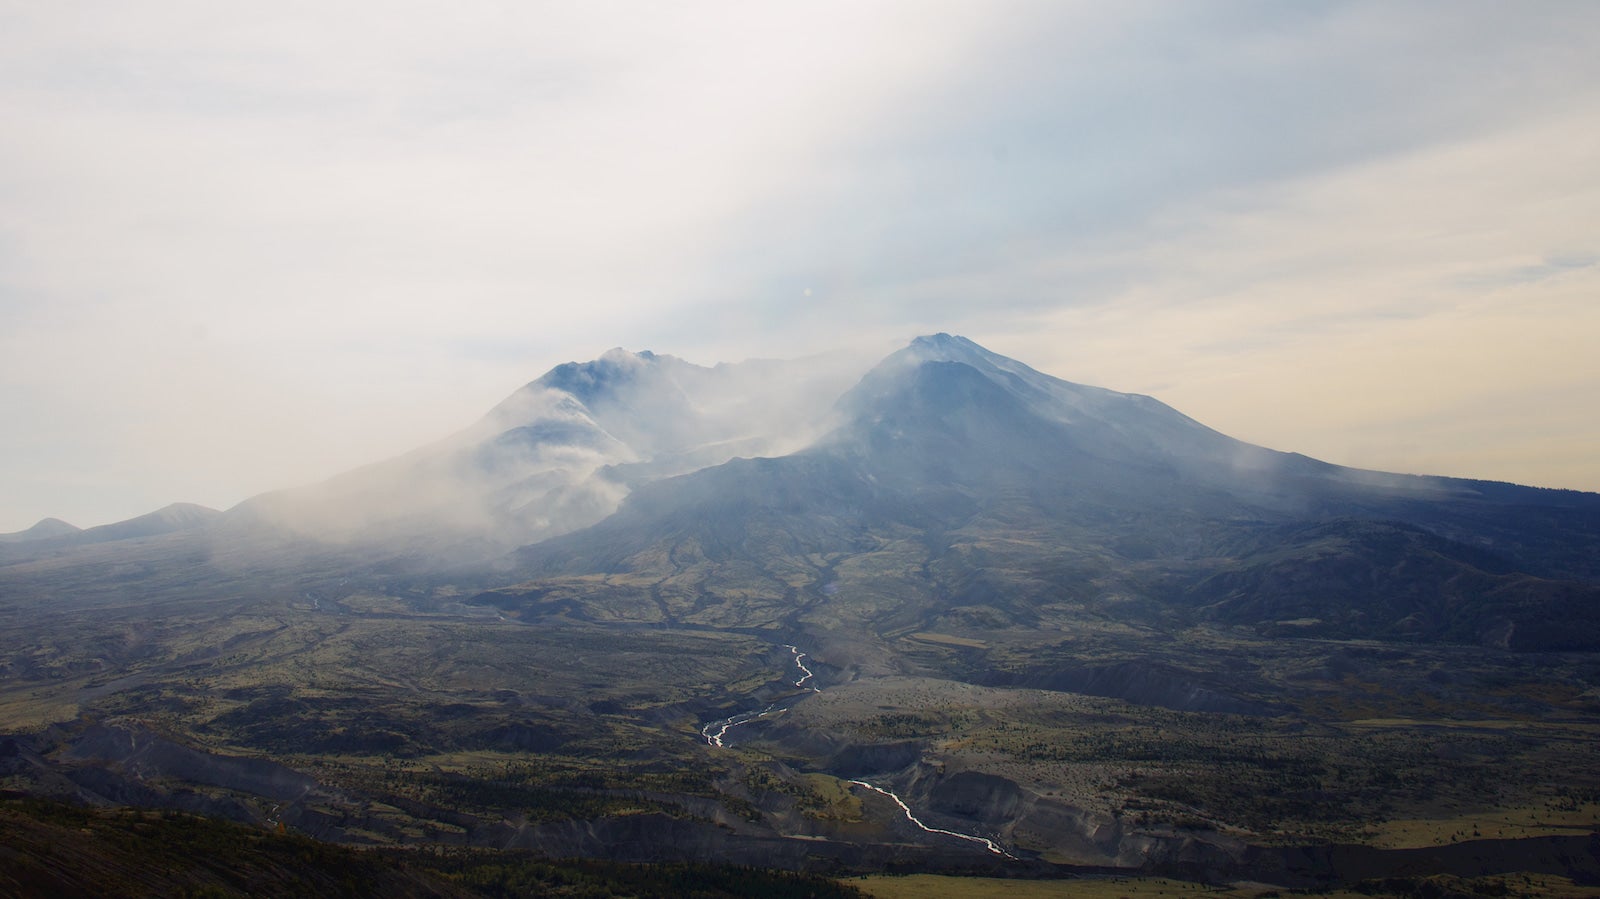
(1004, 489)
(1001, 483)
(166, 520)
(943, 612)
(1002, 475)
(52, 536)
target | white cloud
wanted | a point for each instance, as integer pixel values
(276, 243)
(242, 248)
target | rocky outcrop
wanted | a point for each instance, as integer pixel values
(981, 797)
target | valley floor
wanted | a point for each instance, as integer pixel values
(1209, 755)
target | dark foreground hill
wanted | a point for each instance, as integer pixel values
(54, 850)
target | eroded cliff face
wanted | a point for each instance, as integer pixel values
(1031, 823)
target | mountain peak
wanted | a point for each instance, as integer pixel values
(620, 356)
(600, 378)
(888, 375)
(185, 512)
(941, 339)
(589, 380)
(944, 347)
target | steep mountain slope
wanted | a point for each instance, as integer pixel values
(1386, 580)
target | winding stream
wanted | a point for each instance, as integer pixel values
(988, 844)
(799, 661)
(716, 731)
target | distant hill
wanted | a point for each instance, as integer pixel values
(44, 530)
(176, 517)
(62, 538)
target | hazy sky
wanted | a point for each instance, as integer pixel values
(246, 246)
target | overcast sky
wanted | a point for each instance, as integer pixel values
(247, 246)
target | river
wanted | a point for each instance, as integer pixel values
(800, 662)
(717, 731)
